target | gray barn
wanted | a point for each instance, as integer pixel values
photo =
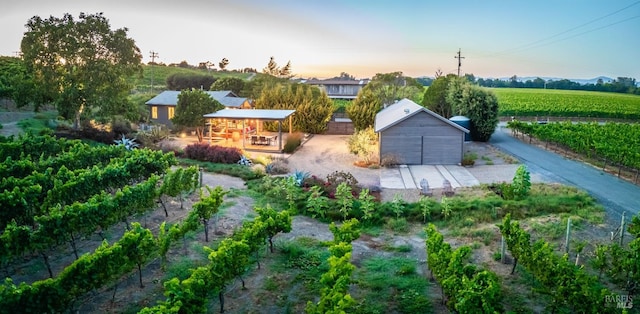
(415, 135)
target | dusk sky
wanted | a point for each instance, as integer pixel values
(548, 38)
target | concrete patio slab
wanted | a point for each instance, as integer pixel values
(428, 172)
(390, 178)
(407, 178)
(447, 175)
(462, 175)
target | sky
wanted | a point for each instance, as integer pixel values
(575, 39)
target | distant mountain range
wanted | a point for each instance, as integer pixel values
(604, 79)
(594, 80)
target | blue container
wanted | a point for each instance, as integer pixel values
(463, 122)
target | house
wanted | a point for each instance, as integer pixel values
(416, 135)
(338, 88)
(162, 107)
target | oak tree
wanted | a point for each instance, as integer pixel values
(81, 65)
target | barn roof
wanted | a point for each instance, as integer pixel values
(402, 110)
(225, 97)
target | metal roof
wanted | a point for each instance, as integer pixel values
(170, 98)
(403, 109)
(260, 114)
(337, 81)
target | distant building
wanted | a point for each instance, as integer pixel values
(162, 107)
(338, 88)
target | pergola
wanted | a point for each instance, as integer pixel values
(251, 114)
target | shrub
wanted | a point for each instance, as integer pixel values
(277, 167)
(120, 127)
(389, 161)
(151, 137)
(503, 189)
(469, 159)
(293, 141)
(90, 132)
(334, 179)
(521, 183)
(213, 153)
(363, 144)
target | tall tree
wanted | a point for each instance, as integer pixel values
(363, 110)
(273, 69)
(81, 65)
(191, 107)
(286, 70)
(223, 64)
(313, 106)
(435, 96)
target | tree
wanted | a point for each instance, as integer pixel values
(286, 71)
(476, 103)
(191, 107)
(383, 90)
(346, 76)
(273, 69)
(81, 65)
(223, 64)
(434, 97)
(180, 81)
(364, 108)
(16, 83)
(233, 84)
(313, 106)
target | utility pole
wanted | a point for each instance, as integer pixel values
(153, 56)
(459, 61)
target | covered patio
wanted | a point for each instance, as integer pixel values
(247, 125)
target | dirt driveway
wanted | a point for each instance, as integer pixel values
(324, 154)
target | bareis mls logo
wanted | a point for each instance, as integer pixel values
(620, 301)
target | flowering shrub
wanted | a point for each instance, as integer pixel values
(215, 153)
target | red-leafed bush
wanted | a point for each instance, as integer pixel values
(215, 153)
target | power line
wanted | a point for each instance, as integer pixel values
(588, 31)
(534, 44)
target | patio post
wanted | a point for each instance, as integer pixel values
(243, 133)
(280, 135)
(210, 129)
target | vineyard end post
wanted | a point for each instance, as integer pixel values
(566, 241)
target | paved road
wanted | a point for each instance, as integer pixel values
(614, 194)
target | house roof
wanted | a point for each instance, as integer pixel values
(225, 97)
(402, 110)
(261, 114)
(232, 102)
(337, 82)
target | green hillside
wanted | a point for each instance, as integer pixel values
(142, 83)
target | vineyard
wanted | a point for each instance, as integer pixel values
(613, 144)
(565, 103)
(308, 244)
